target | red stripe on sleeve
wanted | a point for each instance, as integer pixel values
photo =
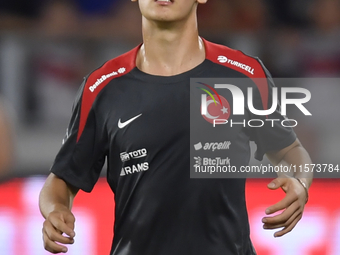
(240, 62)
(112, 69)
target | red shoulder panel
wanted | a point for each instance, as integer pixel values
(100, 78)
(240, 62)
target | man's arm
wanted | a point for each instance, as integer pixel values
(296, 195)
(55, 203)
(6, 144)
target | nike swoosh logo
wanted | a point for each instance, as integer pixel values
(124, 124)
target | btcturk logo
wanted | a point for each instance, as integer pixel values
(214, 106)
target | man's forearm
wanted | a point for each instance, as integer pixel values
(55, 195)
(294, 155)
(298, 156)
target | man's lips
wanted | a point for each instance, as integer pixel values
(164, 2)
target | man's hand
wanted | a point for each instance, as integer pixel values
(55, 203)
(292, 205)
(57, 223)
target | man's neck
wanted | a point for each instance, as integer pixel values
(168, 51)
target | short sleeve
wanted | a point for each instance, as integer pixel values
(81, 156)
(276, 132)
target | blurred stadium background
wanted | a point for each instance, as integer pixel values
(48, 46)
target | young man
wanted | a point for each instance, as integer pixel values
(134, 111)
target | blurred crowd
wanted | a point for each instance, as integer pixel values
(54, 43)
(294, 38)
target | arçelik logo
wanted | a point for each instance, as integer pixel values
(214, 106)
